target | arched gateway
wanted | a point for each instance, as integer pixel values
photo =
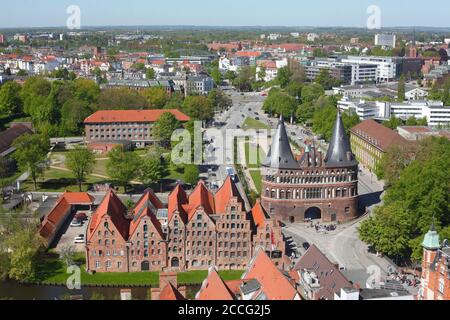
(313, 184)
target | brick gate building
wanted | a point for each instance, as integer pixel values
(317, 186)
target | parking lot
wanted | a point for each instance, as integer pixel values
(70, 233)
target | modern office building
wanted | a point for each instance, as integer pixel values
(385, 40)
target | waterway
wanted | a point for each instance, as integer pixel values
(17, 291)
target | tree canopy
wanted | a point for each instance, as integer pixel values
(420, 194)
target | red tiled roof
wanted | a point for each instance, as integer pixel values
(200, 197)
(177, 199)
(378, 134)
(224, 195)
(78, 198)
(248, 53)
(214, 288)
(112, 116)
(274, 283)
(258, 214)
(169, 292)
(114, 208)
(59, 211)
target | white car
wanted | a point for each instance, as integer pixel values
(79, 240)
(76, 223)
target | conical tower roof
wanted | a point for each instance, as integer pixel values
(339, 152)
(280, 154)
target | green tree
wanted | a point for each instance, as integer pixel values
(156, 97)
(393, 123)
(150, 74)
(420, 195)
(198, 108)
(20, 245)
(122, 166)
(10, 99)
(312, 92)
(284, 76)
(121, 99)
(152, 169)
(81, 162)
(31, 151)
(219, 99)
(191, 174)
(217, 76)
(164, 127)
(73, 114)
(246, 78)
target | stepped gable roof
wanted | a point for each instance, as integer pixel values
(259, 214)
(177, 198)
(339, 152)
(201, 196)
(214, 288)
(115, 209)
(280, 154)
(147, 206)
(169, 292)
(274, 284)
(331, 280)
(224, 195)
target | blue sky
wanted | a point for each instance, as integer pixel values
(348, 13)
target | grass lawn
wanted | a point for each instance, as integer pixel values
(251, 123)
(53, 271)
(260, 157)
(197, 277)
(257, 179)
(54, 180)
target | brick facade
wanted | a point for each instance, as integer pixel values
(203, 230)
(330, 194)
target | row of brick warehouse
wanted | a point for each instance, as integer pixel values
(200, 231)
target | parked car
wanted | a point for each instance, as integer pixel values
(76, 223)
(81, 216)
(306, 245)
(79, 240)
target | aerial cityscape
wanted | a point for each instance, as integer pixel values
(212, 156)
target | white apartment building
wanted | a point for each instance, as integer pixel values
(385, 40)
(364, 109)
(434, 111)
(386, 66)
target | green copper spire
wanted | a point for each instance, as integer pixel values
(431, 241)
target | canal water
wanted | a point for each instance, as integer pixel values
(17, 291)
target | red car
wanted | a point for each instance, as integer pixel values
(81, 216)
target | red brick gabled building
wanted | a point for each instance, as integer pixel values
(203, 230)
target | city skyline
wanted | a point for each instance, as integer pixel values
(288, 13)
